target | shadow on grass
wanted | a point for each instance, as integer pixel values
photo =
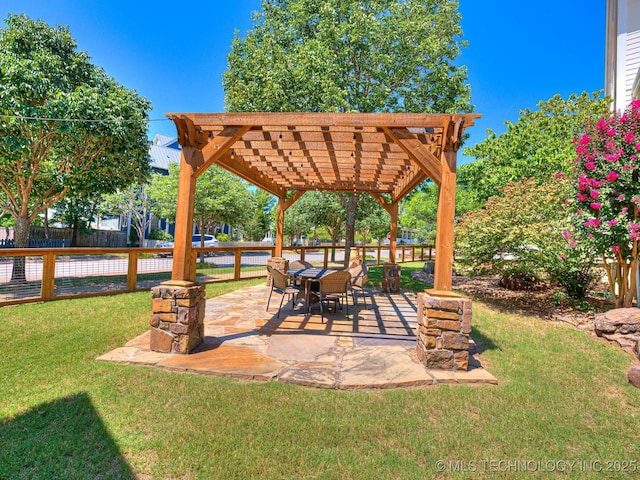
(64, 438)
(482, 342)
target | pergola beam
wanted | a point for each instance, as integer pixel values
(236, 165)
(220, 145)
(417, 151)
(284, 119)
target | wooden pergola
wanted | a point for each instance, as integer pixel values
(376, 153)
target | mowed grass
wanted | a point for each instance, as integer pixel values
(563, 396)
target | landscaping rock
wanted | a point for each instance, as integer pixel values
(633, 374)
(623, 321)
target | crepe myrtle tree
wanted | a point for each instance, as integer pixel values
(607, 197)
(66, 127)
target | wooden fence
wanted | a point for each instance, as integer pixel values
(45, 274)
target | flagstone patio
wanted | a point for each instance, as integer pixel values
(374, 347)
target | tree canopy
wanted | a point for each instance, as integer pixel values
(66, 127)
(538, 145)
(221, 197)
(349, 56)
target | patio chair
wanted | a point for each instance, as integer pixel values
(358, 280)
(299, 265)
(332, 289)
(280, 284)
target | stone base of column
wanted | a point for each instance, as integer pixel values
(444, 324)
(177, 318)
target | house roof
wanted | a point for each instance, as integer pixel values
(161, 157)
(378, 153)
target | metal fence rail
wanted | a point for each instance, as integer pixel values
(58, 273)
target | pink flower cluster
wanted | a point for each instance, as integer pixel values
(606, 188)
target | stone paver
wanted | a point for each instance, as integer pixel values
(371, 348)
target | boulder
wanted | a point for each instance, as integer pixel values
(621, 321)
(633, 374)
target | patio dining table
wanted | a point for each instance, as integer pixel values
(308, 276)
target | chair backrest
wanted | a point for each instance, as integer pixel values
(278, 279)
(299, 265)
(335, 282)
(358, 275)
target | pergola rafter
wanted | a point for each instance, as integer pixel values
(376, 153)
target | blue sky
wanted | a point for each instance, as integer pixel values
(519, 52)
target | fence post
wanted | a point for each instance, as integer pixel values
(237, 263)
(132, 271)
(48, 276)
(378, 255)
(413, 253)
(326, 257)
(303, 251)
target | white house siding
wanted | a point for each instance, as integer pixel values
(627, 51)
(633, 48)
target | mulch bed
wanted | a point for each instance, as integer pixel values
(540, 303)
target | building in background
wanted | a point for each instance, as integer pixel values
(622, 52)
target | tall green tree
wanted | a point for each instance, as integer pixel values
(99, 147)
(135, 203)
(372, 221)
(221, 197)
(538, 145)
(76, 212)
(420, 209)
(349, 56)
(259, 222)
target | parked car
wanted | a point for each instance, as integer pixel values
(164, 245)
(209, 241)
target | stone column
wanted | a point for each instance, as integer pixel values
(177, 319)
(444, 324)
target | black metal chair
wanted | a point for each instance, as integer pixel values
(333, 288)
(358, 280)
(280, 284)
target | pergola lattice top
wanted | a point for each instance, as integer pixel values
(375, 153)
(378, 153)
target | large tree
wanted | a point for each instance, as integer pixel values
(66, 127)
(538, 145)
(259, 223)
(349, 56)
(135, 203)
(77, 212)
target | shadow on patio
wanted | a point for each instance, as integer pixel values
(374, 347)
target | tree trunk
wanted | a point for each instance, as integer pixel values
(46, 223)
(334, 242)
(21, 238)
(74, 233)
(351, 207)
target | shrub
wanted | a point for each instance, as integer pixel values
(520, 232)
(606, 196)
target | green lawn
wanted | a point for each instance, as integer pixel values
(562, 396)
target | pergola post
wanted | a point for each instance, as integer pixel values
(393, 211)
(182, 269)
(177, 319)
(445, 222)
(280, 227)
